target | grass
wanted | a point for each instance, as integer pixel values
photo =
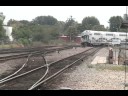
(7, 46)
(37, 44)
(54, 43)
(90, 66)
(111, 67)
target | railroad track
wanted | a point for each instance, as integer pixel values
(35, 52)
(27, 79)
(31, 58)
(29, 64)
(20, 50)
(31, 49)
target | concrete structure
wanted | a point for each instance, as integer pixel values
(8, 32)
(101, 57)
(7, 28)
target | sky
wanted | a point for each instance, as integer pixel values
(62, 13)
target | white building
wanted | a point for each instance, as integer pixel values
(7, 28)
(8, 32)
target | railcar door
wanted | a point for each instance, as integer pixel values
(85, 40)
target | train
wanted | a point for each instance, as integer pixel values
(94, 38)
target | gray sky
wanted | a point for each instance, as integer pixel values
(61, 13)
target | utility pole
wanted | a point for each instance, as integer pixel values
(71, 26)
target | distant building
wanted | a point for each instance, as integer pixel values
(8, 32)
(125, 17)
(67, 39)
(7, 28)
(64, 38)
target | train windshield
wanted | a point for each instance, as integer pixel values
(86, 37)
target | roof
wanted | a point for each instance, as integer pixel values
(103, 32)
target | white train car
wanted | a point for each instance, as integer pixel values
(89, 37)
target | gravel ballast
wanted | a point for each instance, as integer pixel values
(10, 66)
(83, 77)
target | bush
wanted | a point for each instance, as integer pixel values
(24, 41)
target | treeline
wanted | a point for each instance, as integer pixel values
(47, 28)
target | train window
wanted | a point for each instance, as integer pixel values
(102, 38)
(93, 38)
(109, 34)
(96, 33)
(122, 34)
(83, 37)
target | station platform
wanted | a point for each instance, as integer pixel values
(101, 56)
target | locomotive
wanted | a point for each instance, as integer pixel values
(92, 38)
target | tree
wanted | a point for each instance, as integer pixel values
(25, 22)
(28, 33)
(69, 22)
(60, 25)
(89, 22)
(80, 28)
(70, 28)
(72, 32)
(115, 23)
(1, 27)
(3, 36)
(45, 20)
(22, 34)
(15, 23)
(99, 28)
(11, 21)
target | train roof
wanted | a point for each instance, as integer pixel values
(92, 31)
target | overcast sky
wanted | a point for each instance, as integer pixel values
(61, 13)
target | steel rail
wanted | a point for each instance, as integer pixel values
(36, 53)
(58, 72)
(38, 68)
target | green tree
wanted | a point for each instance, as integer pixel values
(41, 29)
(45, 20)
(72, 32)
(22, 32)
(70, 28)
(1, 27)
(3, 37)
(115, 23)
(89, 22)
(99, 28)
(11, 21)
(80, 28)
(15, 23)
(69, 22)
(60, 25)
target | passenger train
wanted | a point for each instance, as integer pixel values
(90, 38)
